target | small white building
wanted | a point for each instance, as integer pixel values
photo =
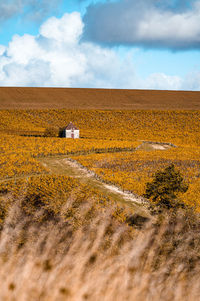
(71, 131)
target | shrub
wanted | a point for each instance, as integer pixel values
(51, 132)
(165, 186)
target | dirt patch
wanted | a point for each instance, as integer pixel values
(149, 146)
(128, 196)
(161, 147)
(80, 170)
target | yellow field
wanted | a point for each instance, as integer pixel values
(115, 134)
(178, 127)
(132, 171)
(18, 153)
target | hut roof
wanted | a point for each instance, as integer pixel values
(71, 127)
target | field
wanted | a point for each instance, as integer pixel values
(132, 170)
(103, 99)
(72, 194)
(107, 146)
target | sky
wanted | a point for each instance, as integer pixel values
(128, 44)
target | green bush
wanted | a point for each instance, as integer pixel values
(164, 188)
(51, 132)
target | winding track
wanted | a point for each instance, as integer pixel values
(67, 166)
(72, 168)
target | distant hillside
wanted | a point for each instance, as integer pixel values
(33, 98)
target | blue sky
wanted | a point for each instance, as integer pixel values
(146, 44)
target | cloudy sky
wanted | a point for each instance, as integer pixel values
(143, 44)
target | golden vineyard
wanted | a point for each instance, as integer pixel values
(109, 145)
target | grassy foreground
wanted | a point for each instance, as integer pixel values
(83, 248)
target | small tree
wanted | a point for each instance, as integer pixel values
(165, 186)
(51, 132)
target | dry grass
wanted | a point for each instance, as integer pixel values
(100, 259)
(39, 98)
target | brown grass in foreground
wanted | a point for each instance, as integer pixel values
(102, 259)
(73, 98)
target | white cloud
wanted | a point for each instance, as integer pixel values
(162, 81)
(58, 57)
(27, 75)
(23, 49)
(33, 9)
(68, 29)
(147, 23)
(66, 60)
(2, 49)
(9, 9)
(192, 81)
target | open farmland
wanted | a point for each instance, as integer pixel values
(84, 197)
(178, 127)
(110, 144)
(41, 98)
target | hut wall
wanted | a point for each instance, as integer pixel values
(70, 133)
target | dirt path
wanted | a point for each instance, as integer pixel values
(69, 167)
(72, 168)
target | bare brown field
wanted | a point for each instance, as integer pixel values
(77, 98)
